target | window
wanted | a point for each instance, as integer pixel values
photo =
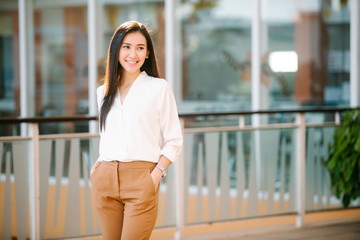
(216, 50)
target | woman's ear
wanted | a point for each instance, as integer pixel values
(147, 54)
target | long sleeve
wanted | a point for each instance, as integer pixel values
(170, 125)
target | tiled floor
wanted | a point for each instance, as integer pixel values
(343, 231)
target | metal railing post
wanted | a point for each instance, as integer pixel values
(241, 121)
(92, 27)
(300, 169)
(23, 63)
(354, 53)
(34, 182)
(179, 192)
(337, 118)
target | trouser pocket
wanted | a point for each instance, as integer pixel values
(137, 188)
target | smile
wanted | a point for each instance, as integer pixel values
(131, 62)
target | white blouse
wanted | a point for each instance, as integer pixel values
(145, 126)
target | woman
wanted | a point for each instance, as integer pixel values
(140, 136)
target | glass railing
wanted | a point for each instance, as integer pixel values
(227, 180)
(231, 169)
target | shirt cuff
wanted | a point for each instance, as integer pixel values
(171, 152)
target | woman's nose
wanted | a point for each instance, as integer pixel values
(132, 53)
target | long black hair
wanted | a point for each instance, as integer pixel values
(113, 67)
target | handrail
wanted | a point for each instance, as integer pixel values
(12, 120)
(300, 124)
(47, 119)
(272, 111)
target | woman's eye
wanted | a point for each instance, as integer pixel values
(140, 48)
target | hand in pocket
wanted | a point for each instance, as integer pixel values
(156, 177)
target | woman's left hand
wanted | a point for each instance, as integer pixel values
(156, 176)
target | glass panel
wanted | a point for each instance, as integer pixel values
(305, 48)
(216, 48)
(319, 118)
(212, 121)
(9, 64)
(234, 121)
(224, 180)
(319, 195)
(14, 189)
(65, 188)
(61, 57)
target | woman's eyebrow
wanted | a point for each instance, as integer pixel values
(140, 44)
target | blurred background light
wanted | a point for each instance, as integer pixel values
(286, 61)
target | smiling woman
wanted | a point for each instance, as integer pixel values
(140, 136)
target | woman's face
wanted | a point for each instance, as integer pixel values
(133, 52)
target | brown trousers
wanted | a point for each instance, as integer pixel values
(125, 199)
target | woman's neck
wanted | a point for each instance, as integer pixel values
(128, 78)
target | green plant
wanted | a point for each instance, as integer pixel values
(343, 161)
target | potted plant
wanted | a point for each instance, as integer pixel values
(343, 162)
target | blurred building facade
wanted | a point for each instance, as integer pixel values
(218, 54)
